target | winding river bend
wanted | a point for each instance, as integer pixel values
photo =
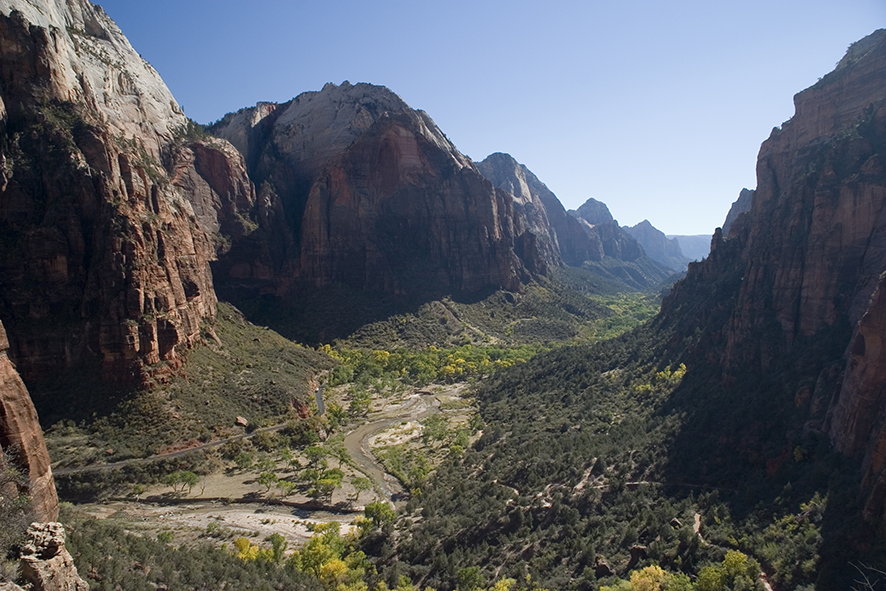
(357, 441)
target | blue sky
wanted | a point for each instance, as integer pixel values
(657, 109)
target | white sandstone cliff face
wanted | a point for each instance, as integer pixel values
(92, 136)
(93, 62)
(314, 127)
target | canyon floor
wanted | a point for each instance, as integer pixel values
(231, 503)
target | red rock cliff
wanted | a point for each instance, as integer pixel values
(810, 258)
(372, 194)
(21, 439)
(102, 257)
(395, 213)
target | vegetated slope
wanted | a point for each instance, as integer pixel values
(574, 306)
(774, 329)
(108, 557)
(586, 470)
(239, 370)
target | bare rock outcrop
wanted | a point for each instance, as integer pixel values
(593, 212)
(110, 216)
(357, 188)
(46, 563)
(739, 206)
(21, 440)
(70, 51)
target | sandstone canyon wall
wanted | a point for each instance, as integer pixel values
(21, 440)
(370, 193)
(103, 258)
(806, 264)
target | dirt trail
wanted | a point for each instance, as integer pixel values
(189, 516)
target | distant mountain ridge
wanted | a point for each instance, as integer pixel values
(658, 246)
(739, 206)
(693, 246)
(581, 243)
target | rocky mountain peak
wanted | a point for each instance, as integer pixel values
(658, 246)
(593, 212)
(80, 55)
(311, 129)
(508, 174)
(739, 206)
(371, 191)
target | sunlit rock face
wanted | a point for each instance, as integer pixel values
(104, 259)
(21, 441)
(561, 236)
(370, 193)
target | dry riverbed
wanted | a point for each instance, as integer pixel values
(232, 503)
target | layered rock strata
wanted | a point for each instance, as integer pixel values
(370, 193)
(103, 259)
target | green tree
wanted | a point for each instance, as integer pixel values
(244, 460)
(181, 480)
(278, 546)
(268, 480)
(324, 486)
(380, 513)
(470, 579)
(361, 401)
(316, 454)
(360, 484)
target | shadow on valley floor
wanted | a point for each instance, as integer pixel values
(797, 501)
(316, 316)
(542, 311)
